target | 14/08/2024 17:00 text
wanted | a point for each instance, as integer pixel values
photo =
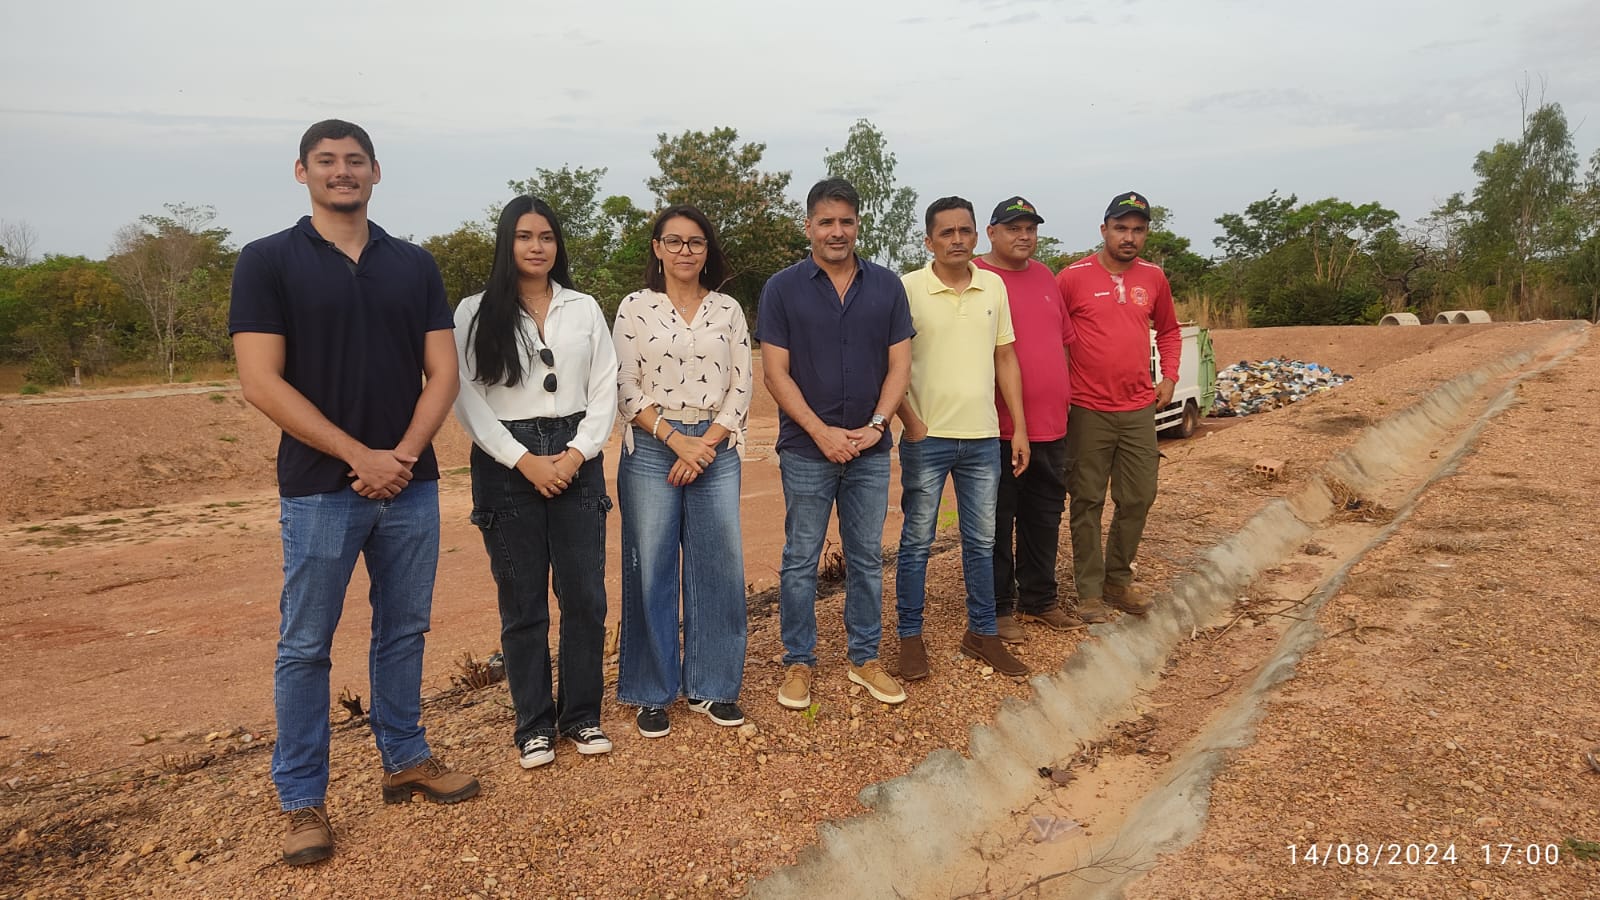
(1397, 854)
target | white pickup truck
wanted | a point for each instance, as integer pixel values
(1197, 382)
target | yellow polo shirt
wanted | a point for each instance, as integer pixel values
(952, 354)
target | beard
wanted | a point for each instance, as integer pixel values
(346, 206)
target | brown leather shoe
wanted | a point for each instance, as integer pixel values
(1092, 611)
(1054, 618)
(433, 780)
(989, 649)
(310, 837)
(913, 658)
(1009, 628)
(1127, 598)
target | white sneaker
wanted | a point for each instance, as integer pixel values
(590, 740)
(537, 751)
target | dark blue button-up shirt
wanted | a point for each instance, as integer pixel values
(838, 352)
(353, 339)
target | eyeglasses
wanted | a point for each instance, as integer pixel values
(549, 359)
(675, 244)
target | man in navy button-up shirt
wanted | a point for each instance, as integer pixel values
(835, 333)
(343, 338)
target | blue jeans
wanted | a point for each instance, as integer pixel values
(530, 541)
(692, 530)
(975, 466)
(322, 535)
(811, 488)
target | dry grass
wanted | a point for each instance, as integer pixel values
(1208, 312)
(1382, 586)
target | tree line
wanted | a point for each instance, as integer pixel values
(1523, 242)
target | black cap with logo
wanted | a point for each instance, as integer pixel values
(1014, 208)
(1131, 202)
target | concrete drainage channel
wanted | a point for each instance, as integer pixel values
(927, 829)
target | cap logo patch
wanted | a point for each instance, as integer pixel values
(1134, 202)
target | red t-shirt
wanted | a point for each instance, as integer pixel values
(1111, 359)
(1039, 317)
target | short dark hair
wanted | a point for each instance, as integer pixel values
(834, 188)
(333, 130)
(945, 204)
(716, 268)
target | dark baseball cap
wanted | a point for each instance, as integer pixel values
(1131, 202)
(1014, 208)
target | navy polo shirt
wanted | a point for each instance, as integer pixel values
(838, 352)
(353, 336)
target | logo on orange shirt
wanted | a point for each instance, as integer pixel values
(1141, 297)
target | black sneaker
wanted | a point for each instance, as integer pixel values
(725, 714)
(590, 740)
(653, 722)
(537, 751)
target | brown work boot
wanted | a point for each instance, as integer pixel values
(795, 692)
(883, 688)
(1127, 598)
(1054, 618)
(989, 649)
(310, 837)
(1009, 629)
(913, 658)
(432, 779)
(1091, 611)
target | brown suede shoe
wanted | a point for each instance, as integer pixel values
(1054, 618)
(433, 780)
(1092, 611)
(913, 658)
(310, 837)
(1009, 628)
(989, 649)
(1127, 598)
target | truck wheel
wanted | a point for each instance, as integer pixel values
(1190, 423)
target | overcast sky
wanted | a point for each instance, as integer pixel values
(110, 109)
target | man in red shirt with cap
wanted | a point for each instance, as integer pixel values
(1114, 299)
(1030, 504)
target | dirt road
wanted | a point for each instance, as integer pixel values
(140, 554)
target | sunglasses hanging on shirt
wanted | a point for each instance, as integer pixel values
(549, 359)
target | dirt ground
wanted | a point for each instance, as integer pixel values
(140, 553)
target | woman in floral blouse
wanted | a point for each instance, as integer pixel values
(684, 386)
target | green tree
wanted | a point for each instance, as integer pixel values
(759, 226)
(176, 268)
(1518, 216)
(1261, 227)
(889, 232)
(465, 257)
(1164, 247)
(73, 309)
(604, 238)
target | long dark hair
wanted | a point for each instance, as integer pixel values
(494, 334)
(716, 268)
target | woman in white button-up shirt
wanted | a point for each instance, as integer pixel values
(538, 397)
(684, 390)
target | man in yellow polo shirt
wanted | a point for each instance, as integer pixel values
(961, 350)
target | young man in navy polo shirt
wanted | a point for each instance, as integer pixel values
(835, 333)
(335, 326)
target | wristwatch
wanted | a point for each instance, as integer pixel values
(879, 421)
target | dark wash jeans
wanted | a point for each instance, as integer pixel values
(529, 540)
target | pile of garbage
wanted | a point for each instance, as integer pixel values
(1252, 387)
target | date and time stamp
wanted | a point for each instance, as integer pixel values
(1393, 853)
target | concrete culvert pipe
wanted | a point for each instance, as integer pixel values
(1448, 317)
(1400, 319)
(1472, 317)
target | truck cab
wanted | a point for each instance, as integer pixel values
(1197, 382)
